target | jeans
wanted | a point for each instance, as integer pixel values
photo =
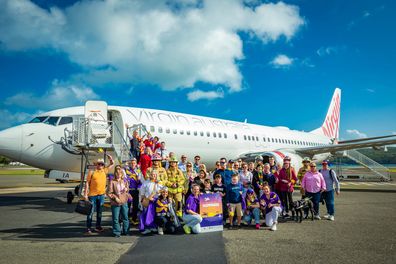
(116, 211)
(254, 214)
(134, 204)
(193, 221)
(315, 198)
(287, 200)
(166, 223)
(97, 203)
(272, 216)
(329, 200)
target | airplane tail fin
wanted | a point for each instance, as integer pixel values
(331, 124)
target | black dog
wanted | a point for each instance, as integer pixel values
(299, 206)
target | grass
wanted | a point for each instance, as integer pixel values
(392, 169)
(21, 172)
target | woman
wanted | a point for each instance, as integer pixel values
(287, 178)
(118, 193)
(191, 217)
(163, 217)
(271, 205)
(252, 210)
(200, 180)
(245, 176)
(149, 192)
(258, 179)
(189, 175)
(313, 184)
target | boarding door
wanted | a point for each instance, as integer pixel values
(96, 116)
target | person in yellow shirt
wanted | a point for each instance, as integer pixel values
(161, 172)
(175, 185)
(301, 172)
(95, 190)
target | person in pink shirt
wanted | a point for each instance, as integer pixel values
(313, 184)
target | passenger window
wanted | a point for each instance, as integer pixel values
(160, 129)
(219, 135)
(208, 134)
(195, 133)
(52, 120)
(65, 120)
(167, 131)
(152, 128)
(201, 133)
(174, 131)
(188, 132)
(214, 134)
(235, 136)
(257, 139)
(181, 132)
(244, 137)
(225, 135)
(264, 139)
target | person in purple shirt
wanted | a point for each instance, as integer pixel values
(134, 176)
(313, 184)
(192, 219)
(271, 206)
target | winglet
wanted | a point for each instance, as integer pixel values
(331, 124)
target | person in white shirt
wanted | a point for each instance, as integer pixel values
(245, 176)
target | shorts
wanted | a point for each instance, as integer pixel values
(235, 207)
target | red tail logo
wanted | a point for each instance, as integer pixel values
(331, 124)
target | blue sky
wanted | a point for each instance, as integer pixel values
(272, 63)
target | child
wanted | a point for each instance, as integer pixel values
(162, 215)
(220, 188)
(252, 209)
(234, 199)
(208, 186)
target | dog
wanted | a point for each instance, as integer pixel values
(298, 209)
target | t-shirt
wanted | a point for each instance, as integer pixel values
(234, 193)
(274, 199)
(226, 175)
(219, 188)
(192, 204)
(97, 182)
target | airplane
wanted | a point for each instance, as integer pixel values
(48, 141)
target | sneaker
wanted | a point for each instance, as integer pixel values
(273, 227)
(88, 232)
(317, 217)
(134, 222)
(160, 231)
(117, 236)
(187, 229)
(238, 227)
(326, 216)
(154, 230)
(331, 218)
(146, 231)
(99, 229)
(179, 214)
(257, 226)
(231, 227)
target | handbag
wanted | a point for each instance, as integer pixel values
(83, 207)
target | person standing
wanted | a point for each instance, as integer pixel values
(196, 164)
(135, 178)
(331, 181)
(164, 154)
(313, 184)
(245, 176)
(161, 172)
(95, 190)
(286, 180)
(183, 163)
(175, 184)
(225, 173)
(145, 161)
(301, 172)
(135, 141)
(269, 178)
(234, 191)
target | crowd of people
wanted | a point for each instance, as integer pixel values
(159, 193)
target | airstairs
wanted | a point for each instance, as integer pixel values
(377, 169)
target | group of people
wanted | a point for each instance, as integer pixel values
(160, 194)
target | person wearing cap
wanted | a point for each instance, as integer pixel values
(175, 184)
(332, 182)
(259, 160)
(163, 217)
(230, 166)
(145, 161)
(252, 210)
(313, 184)
(301, 172)
(183, 163)
(161, 172)
(135, 177)
(225, 173)
(95, 190)
(286, 180)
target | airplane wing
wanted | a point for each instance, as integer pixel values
(352, 144)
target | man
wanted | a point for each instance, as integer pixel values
(183, 163)
(161, 172)
(196, 163)
(135, 177)
(164, 153)
(301, 173)
(95, 189)
(286, 180)
(230, 166)
(331, 180)
(225, 173)
(273, 167)
(175, 184)
(135, 141)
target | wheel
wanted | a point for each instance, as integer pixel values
(70, 197)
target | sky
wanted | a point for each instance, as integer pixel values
(267, 62)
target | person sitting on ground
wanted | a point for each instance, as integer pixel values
(148, 193)
(286, 180)
(208, 186)
(234, 200)
(301, 172)
(161, 172)
(118, 194)
(330, 178)
(175, 184)
(200, 180)
(135, 177)
(95, 190)
(192, 219)
(252, 210)
(145, 161)
(220, 188)
(163, 217)
(271, 206)
(313, 184)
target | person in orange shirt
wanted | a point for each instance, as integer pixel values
(95, 190)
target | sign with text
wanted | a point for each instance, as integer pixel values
(211, 210)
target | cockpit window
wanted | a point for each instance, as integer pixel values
(65, 120)
(38, 119)
(52, 120)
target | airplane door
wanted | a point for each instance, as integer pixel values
(96, 115)
(96, 110)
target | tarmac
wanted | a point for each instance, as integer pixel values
(38, 226)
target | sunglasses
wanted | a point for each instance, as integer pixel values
(313, 166)
(222, 162)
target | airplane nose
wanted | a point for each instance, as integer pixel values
(11, 142)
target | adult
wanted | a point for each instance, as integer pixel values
(237, 168)
(251, 166)
(118, 194)
(331, 181)
(286, 179)
(225, 173)
(183, 163)
(148, 194)
(258, 179)
(313, 184)
(196, 164)
(163, 153)
(191, 216)
(269, 177)
(94, 191)
(175, 184)
(252, 210)
(245, 176)
(301, 172)
(145, 161)
(135, 141)
(135, 178)
(189, 177)
(200, 180)
(163, 216)
(273, 167)
(271, 206)
(161, 172)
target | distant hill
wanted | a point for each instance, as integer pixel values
(380, 156)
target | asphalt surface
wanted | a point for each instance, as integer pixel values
(38, 226)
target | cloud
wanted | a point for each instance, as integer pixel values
(282, 61)
(365, 14)
(394, 133)
(356, 133)
(202, 95)
(169, 44)
(323, 51)
(58, 96)
(370, 90)
(8, 119)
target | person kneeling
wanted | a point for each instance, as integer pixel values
(163, 217)
(191, 216)
(271, 205)
(252, 209)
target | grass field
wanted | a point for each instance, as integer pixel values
(32, 171)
